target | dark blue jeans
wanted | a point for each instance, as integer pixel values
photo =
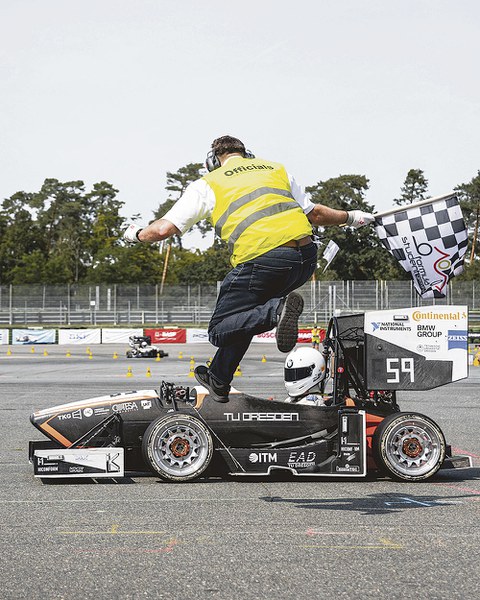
(249, 299)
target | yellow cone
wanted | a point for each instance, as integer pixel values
(90, 356)
(88, 351)
(9, 352)
(158, 357)
(129, 372)
(45, 353)
(264, 358)
(33, 349)
(115, 355)
(238, 372)
(192, 368)
(180, 355)
(149, 373)
(69, 354)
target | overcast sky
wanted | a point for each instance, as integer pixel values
(126, 90)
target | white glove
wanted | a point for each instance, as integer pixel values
(131, 233)
(358, 218)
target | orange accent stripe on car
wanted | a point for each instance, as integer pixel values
(55, 434)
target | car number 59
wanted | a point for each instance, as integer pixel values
(395, 366)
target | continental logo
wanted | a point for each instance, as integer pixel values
(420, 315)
(252, 167)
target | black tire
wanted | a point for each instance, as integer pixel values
(408, 446)
(177, 447)
(129, 354)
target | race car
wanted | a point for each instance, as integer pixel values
(141, 347)
(181, 433)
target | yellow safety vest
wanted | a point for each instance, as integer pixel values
(316, 335)
(254, 208)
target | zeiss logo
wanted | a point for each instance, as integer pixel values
(457, 339)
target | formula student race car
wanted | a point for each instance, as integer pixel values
(141, 347)
(180, 433)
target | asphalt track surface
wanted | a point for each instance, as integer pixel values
(273, 538)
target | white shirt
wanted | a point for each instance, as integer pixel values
(198, 202)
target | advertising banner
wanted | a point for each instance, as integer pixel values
(33, 336)
(119, 336)
(3, 336)
(416, 348)
(167, 336)
(79, 336)
(265, 338)
(304, 336)
(195, 336)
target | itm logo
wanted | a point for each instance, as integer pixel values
(262, 457)
(457, 339)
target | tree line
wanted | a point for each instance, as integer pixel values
(65, 233)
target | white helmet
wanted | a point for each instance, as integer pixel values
(304, 369)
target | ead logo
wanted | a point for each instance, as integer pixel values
(457, 339)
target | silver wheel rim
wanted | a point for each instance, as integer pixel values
(180, 449)
(413, 449)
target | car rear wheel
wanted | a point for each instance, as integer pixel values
(408, 446)
(177, 447)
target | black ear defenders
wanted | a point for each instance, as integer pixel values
(212, 161)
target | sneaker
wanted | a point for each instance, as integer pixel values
(287, 325)
(218, 391)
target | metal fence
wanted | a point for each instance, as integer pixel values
(81, 305)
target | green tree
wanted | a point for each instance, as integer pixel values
(361, 255)
(414, 188)
(55, 235)
(177, 183)
(469, 198)
(20, 234)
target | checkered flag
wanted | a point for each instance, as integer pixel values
(429, 239)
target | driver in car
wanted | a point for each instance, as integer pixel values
(304, 370)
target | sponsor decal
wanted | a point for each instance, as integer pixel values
(441, 264)
(88, 412)
(43, 460)
(49, 469)
(125, 407)
(425, 348)
(419, 315)
(112, 466)
(428, 331)
(263, 457)
(76, 469)
(390, 326)
(457, 339)
(348, 469)
(299, 460)
(146, 404)
(261, 416)
(102, 410)
(77, 414)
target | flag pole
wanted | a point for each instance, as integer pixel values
(414, 205)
